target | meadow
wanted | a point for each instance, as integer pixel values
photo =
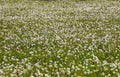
(67, 38)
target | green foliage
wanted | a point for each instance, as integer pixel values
(59, 38)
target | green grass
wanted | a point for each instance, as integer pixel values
(68, 38)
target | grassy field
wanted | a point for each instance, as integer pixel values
(59, 38)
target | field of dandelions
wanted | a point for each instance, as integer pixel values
(59, 38)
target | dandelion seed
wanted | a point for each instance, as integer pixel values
(112, 65)
(118, 74)
(47, 75)
(103, 74)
